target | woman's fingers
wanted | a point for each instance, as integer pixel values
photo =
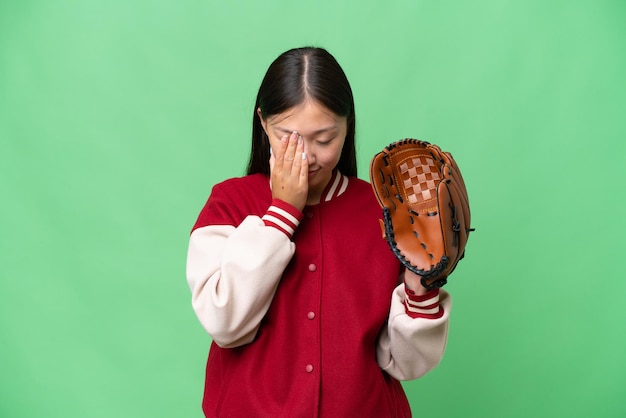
(289, 170)
(290, 153)
(297, 156)
(304, 170)
(279, 153)
(285, 155)
(300, 166)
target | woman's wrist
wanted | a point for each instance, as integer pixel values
(413, 282)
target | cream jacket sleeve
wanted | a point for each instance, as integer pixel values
(414, 341)
(233, 273)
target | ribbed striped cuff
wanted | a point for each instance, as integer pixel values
(423, 306)
(283, 216)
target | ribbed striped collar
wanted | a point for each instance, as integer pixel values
(336, 186)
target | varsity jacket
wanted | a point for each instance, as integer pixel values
(307, 315)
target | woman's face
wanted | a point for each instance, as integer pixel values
(323, 133)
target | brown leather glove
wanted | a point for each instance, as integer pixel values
(426, 214)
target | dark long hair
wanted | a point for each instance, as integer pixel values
(294, 76)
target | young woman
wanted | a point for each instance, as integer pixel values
(309, 311)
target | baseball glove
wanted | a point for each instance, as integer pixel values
(426, 214)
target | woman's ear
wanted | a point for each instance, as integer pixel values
(263, 122)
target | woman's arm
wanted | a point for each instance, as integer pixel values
(233, 272)
(414, 341)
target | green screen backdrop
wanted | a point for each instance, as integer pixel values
(117, 117)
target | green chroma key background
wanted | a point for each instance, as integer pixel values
(117, 117)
